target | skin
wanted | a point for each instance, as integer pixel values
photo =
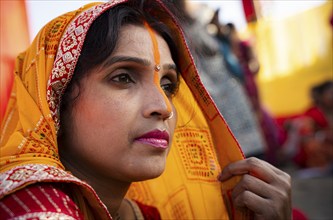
(263, 188)
(157, 60)
(113, 110)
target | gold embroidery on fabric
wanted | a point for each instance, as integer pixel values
(54, 33)
(179, 206)
(197, 154)
(37, 138)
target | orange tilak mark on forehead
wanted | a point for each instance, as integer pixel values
(157, 64)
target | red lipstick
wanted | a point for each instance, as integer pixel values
(155, 138)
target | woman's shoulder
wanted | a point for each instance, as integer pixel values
(39, 201)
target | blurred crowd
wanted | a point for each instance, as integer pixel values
(228, 67)
(307, 139)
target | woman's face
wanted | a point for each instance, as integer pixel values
(121, 120)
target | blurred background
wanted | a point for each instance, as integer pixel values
(268, 65)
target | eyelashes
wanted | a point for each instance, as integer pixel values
(169, 83)
(122, 78)
(170, 88)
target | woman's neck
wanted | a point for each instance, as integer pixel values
(111, 192)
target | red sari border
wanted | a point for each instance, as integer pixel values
(21, 176)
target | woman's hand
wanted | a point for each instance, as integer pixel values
(264, 189)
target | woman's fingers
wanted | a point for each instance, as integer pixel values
(263, 188)
(253, 166)
(263, 209)
(252, 184)
(250, 200)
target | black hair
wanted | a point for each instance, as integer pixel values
(318, 90)
(101, 41)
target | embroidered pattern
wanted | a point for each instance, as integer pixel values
(21, 175)
(39, 141)
(44, 216)
(179, 206)
(197, 154)
(68, 53)
(27, 174)
(54, 33)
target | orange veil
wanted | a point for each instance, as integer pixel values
(202, 143)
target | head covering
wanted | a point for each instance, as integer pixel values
(202, 143)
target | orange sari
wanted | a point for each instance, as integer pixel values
(202, 143)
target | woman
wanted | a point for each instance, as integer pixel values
(98, 99)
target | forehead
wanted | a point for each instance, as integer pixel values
(135, 40)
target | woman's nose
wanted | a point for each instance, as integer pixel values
(157, 104)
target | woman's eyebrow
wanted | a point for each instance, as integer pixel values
(117, 59)
(145, 62)
(170, 66)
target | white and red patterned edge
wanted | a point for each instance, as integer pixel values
(69, 50)
(44, 216)
(30, 173)
(35, 173)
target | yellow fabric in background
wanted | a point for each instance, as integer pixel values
(295, 53)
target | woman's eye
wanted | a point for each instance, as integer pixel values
(170, 88)
(123, 78)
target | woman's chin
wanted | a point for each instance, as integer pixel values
(146, 173)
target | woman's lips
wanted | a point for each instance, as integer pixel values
(156, 138)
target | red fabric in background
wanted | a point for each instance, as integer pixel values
(249, 10)
(281, 122)
(318, 117)
(298, 215)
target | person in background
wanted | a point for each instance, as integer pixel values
(226, 91)
(309, 136)
(100, 104)
(316, 132)
(321, 110)
(244, 66)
